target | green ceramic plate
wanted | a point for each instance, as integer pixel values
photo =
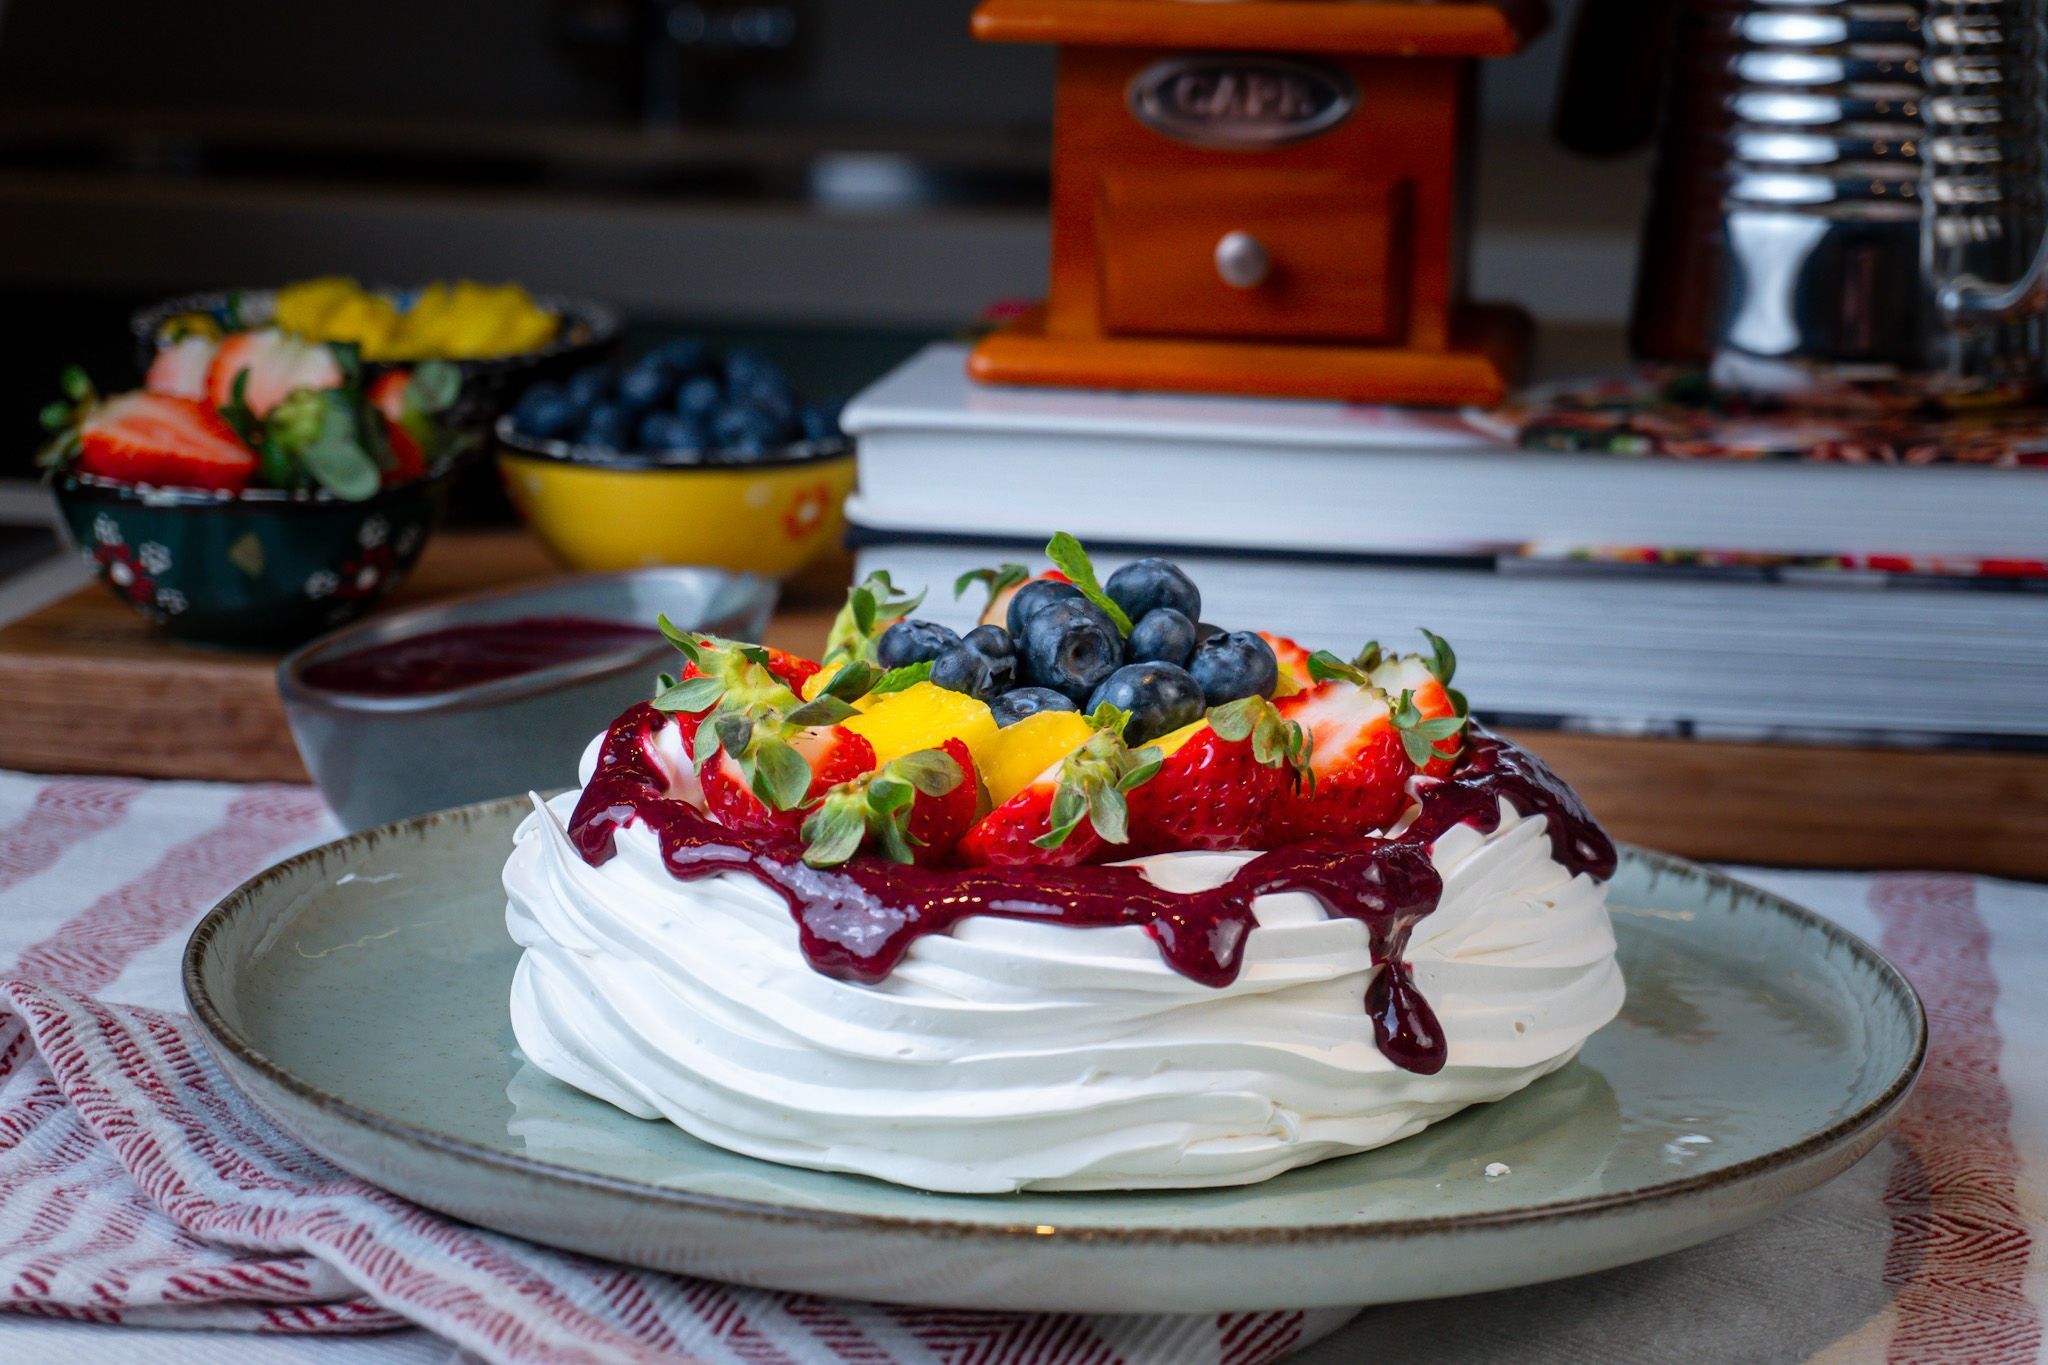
(358, 994)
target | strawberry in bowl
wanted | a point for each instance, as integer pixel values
(255, 490)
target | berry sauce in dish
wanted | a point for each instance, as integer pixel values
(462, 656)
(858, 919)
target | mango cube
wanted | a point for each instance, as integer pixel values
(924, 716)
(1017, 755)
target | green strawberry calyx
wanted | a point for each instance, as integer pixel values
(746, 712)
(1276, 741)
(1420, 736)
(872, 606)
(999, 579)
(878, 805)
(1094, 780)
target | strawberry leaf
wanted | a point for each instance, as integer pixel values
(824, 710)
(686, 644)
(1442, 660)
(1066, 552)
(870, 602)
(1370, 657)
(1419, 737)
(781, 777)
(853, 680)
(75, 385)
(834, 832)
(1323, 666)
(1235, 720)
(695, 694)
(999, 579)
(1109, 719)
(933, 772)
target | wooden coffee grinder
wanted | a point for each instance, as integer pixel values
(1263, 197)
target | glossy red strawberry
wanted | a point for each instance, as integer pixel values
(387, 396)
(1214, 790)
(792, 670)
(912, 809)
(169, 442)
(832, 754)
(1292, 657)
(1360, 771)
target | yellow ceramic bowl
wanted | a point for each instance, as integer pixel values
(629, 511)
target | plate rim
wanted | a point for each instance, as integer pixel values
(227, 1043)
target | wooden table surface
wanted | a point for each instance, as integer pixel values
(88, 687)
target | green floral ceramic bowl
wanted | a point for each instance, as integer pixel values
(260, 567)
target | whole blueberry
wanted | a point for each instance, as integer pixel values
(698, 395)
(744, 366)
(1070, 646)
(733, 426)
(648, 384)
(670, 431)
(611, 425)
(589, 386)
(819, 423)
(1160, 697)
(1040, 592)
(684, 355)
(774, 400)
(1147, 584)
(1236, 665)
(1161, 634)
(993, 642)
(544, 412)
(1019, 702)
(961, 669)
(912, 642)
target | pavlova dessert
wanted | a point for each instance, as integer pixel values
(1097, 896)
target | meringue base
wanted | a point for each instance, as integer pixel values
(1013, 1055)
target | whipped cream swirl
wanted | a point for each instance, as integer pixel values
(1012, 1055)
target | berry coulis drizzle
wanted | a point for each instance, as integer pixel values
(857, 920)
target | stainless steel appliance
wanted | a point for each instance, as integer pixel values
(1849, 194)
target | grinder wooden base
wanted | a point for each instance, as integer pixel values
(1485, 359)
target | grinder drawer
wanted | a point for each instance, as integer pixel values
(1248, 253)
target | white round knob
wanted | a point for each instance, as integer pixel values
(1241, 260)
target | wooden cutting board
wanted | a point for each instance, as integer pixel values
(88, 687)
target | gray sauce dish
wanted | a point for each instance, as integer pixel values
(379, 758)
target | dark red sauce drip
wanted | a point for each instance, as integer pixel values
(857, 921)
(463, 655)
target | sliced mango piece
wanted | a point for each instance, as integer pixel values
(1170, 743)
(924, 716)
(1016, 756)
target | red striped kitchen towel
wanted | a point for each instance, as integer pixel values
(137, 1188)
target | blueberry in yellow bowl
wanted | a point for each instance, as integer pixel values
(259, 492)
(682, 457)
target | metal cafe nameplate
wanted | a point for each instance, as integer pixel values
(1240, 101)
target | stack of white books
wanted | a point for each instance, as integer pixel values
(1336, 523)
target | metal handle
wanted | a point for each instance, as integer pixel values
(1967, 301)
(1241, 260)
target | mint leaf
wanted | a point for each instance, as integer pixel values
(1066, 552)
(897, 679)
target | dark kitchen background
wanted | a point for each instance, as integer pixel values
(842, 179)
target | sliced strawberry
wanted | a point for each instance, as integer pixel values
(1076, 811)
(834, 755)
(1211, 793)
(179, 369)
(169, 442)
(387, 395)
(1359, 767)
(1432, 702)
(277, 365)
(912, 809)
(1293, 659)
(792, 670)
(1008, 835)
